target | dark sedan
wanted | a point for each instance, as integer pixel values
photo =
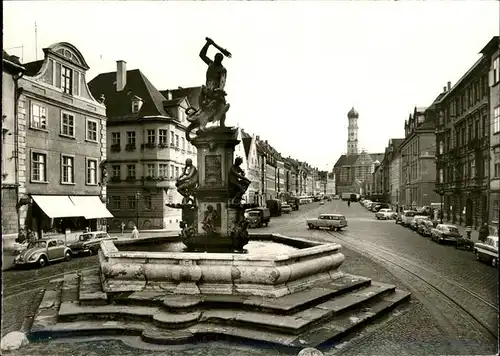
(445, 233)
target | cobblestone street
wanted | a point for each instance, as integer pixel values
(429, 325)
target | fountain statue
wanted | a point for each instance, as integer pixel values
(212, 210)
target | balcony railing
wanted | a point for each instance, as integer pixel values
(149, 145)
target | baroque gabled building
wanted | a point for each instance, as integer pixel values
(61, 145)
(462, 138)
(147, 148)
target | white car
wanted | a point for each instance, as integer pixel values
(408, 217)
(385, 214)
(488, 250)
(330, 221)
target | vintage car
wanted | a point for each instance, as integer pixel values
(41, 252)
(329, 221)
(445, 233)
(256, 217)
(487, 251)
(294, 203)
(408, 218)
(425, 226)
(286, 208)
(399, 217)
(385, 214)
(417, 219)
(89, 242)
(377, 206)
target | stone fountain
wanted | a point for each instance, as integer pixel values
(213, 288)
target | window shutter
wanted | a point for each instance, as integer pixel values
(491, 79)
(58, 75)
(76, 82)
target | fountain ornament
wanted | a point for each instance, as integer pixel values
(295, 298)
(212, 209)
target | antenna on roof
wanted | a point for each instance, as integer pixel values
(36, 43)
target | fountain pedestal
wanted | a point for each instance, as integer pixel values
(220, 224)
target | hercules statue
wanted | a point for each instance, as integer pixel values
(188, 182)
(212, 102)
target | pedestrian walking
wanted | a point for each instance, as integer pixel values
(135, 233)
(122, 225)
(484, 231)
(349, 203)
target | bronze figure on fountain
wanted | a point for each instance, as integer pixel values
(212, 101)
(188, 182)
(238, 183)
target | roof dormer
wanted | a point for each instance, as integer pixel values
(136, 104)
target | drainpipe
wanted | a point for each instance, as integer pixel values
(17, 94)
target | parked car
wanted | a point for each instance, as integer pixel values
(445, 233)
(89, 242)
(322, 202)
(408, 218)
(487, 251)
(376, 207)
(425, 226)
(385, 214)
(274, 206)
(285, 208)
(41, 252)
(257, 217)
(330, 221)
(399, 216)
(417, 219)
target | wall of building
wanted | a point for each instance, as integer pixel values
(270, 182)
(494, 201)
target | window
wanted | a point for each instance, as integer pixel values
(441, 147)
(163, 170)
(136, 105)
(183, 143)
(115, 138)
(130, 171)
(472, 168)
(131, 138)
(177, 172)
(172, 140)
(66, 80)
(38, 116)
(38, 167)
(68, 125)
(177, 141)
(496, 70)
(117, 171)
(147, 202)
(497, 165)
(162, 136)
(91, 130)
(151, 136)
(151, 170)
(67, 168)
(115, 202)
(131, 200)
(441, 176)
(496, 120)
(172, 175)
(91, 171)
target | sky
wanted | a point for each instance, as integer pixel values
(297, 67)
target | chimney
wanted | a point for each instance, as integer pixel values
(169, 95)
(257, 138)
(444, 89)
(121, 75)
(449, 86)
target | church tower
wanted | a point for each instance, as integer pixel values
(352, 132)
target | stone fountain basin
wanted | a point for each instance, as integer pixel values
(200, 273)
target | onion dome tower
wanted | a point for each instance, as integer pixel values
(352, 132)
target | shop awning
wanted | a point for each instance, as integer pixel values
(91, 207)
(56, 206)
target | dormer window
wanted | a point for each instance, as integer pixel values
(136, 104)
